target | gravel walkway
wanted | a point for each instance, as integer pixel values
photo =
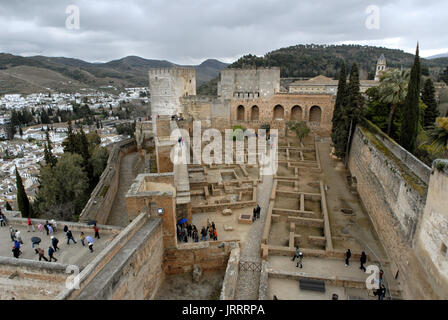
(249, 281)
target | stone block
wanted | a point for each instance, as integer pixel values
(228, 228)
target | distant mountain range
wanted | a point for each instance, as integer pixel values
(442, 55)
(38, 73)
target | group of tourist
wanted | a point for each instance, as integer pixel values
(50, 228)
(186, 231)
(380, 292)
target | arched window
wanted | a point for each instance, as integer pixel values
(240, 113)
(315, 114)
(296, 113)
(254, 113)
(279, 113)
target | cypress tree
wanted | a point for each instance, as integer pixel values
(70, 142)
(410, 113)
(351, 111)
(428, 98)
(22, 199)
(340, 101)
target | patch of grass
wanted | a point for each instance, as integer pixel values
(103, 193)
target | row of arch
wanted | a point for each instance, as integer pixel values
(278, 113)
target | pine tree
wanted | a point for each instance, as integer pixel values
(411, 110)
(22, 199)
(428, 98)
(340, 101)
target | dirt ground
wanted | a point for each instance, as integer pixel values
(182, 287)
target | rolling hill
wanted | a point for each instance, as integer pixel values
(30, 74)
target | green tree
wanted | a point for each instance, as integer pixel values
(66, 183)
(48, 151)
(22, 199)
(351, 113)
(69, 143)
(428, 98)
(300, 128)
(393, 90)
(411, 110)
(341, 99)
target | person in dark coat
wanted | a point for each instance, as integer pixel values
(54, 243)
(50, 254)
(254, 216)
(16, 252)
(258, 211)
(363, 260)
(348, 254)
(69, 237)
(189, 230)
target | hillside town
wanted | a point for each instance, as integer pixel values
(26, 151)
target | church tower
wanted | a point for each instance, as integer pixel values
(380, 67)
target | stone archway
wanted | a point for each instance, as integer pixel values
(254, 113)
(240, 111)
(315, 114)
(278, 113)
(296, 113)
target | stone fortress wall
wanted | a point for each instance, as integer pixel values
(249, 83)
(102, 197)
(167, 85)
(394, 191)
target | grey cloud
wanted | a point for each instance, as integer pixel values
(189, 31)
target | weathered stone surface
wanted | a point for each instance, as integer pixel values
(227, 212)
(197, 273)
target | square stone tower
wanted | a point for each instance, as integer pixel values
(167, 86)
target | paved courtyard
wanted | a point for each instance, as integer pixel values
(69, 254)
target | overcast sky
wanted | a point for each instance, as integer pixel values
(190, 31)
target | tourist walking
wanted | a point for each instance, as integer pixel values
(299, 260)
(381, 292)
(258, 211)
(46, 226)
(2, 219)
(195, 235)
(16, 252)
(90, 242)
(40, 227)
(41, 254)
(50, 254)
(210, 231)
(381, 276)
(215, 235)
(363, 260)
(82, 237)
(348, 254)
(254, 216)
(296, 254)
(50, 230)
(189, 230)
(18, 237)
(30, 225)
(12, 233)
(97, 233)
(69, 237)
(54, 243)
(203, 234)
